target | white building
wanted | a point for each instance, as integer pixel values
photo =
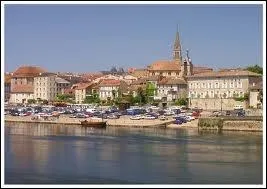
(217, 90)
(170, 89)
(48, 85)
(109, 89)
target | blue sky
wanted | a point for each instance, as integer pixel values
(91, 38)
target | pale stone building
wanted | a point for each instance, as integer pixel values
(216, 90)
(22, 87)
(48, 85)
(170, 89)
(254, 95)
(109, 89)
(82, 90)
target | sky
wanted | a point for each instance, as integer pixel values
(92, 38)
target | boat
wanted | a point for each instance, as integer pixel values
(95, 124)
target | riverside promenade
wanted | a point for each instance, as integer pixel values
(123, 121)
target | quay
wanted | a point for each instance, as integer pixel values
(121, 122)
(248, 123)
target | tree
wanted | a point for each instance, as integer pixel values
(150, 89)
(64, 97)
(114, 94)
(89, 99)
(31, 101)
(141, 95)
(256, 69)
(242, 98)
(181, 102)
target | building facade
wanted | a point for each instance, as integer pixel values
(110, 89)
(218, 90)
(22, 83)
(48, 85)
(81, 91)
(171, 89)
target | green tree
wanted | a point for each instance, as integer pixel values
(151, 90)
(181, 102)
(31, 101)
(242, 98)
(141, 95)
(64, 97)
(256, 69)
(94, 98)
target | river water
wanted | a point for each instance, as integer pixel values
(49, 154)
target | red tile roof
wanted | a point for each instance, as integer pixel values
(69, 91)
(225, 73)
(201, 69)
(172, 81)
(28, 71)
(22, 89)
(165, 65)
(83, 86)
(110, 82)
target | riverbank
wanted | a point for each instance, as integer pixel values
(123, 121)
(249, 123)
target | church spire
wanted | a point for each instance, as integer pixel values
(177, 51)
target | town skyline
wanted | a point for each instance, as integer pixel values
(93, 38)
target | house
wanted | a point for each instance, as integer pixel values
(81, 90)
(47, 85)
(256, 95)
(111, 88)
(22, 83)
(170, 89)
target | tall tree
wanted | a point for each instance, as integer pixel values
(256, 69)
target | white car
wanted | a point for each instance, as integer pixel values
(238, 107)
(149, 117)
(136, 117)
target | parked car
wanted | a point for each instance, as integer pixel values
(238, 107)
(136, 117)
(113, 116)
(241, 113)
(178, 121)
(163, 118)
(181, 118)
(148, 116)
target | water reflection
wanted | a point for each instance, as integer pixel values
(71, 154)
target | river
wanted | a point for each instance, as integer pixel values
(53, 154)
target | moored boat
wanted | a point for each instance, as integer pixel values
(95, 124)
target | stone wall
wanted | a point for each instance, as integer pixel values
(215, 103)
(233, 124)
(245, 125)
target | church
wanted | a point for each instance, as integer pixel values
(178, 67)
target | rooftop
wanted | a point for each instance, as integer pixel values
(225, 73)
(28, 71)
